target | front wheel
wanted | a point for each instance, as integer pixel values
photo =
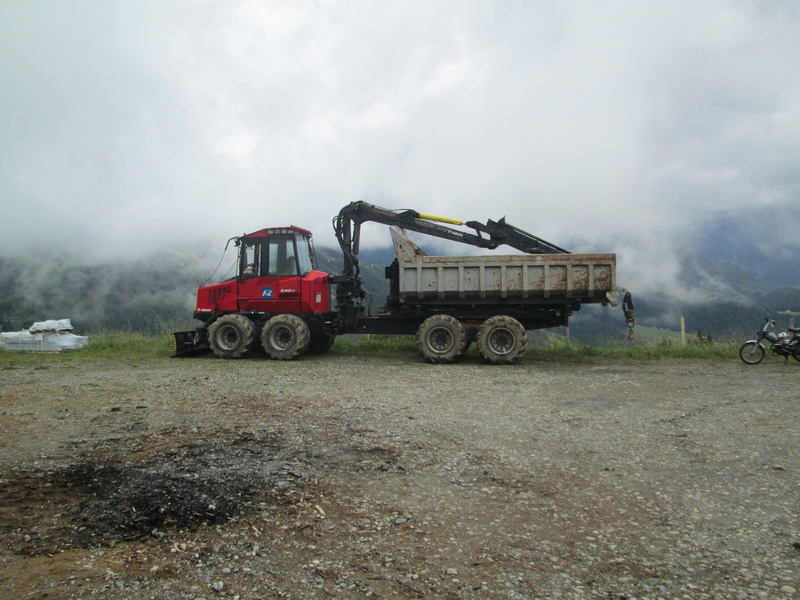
(285, 337)
(752, 353)
(232, 336)
(441, 339)
(502, 340)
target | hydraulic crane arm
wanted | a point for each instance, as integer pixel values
(347, 225)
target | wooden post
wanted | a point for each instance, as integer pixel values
(683, 331)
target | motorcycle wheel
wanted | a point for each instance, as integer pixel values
(751, 353)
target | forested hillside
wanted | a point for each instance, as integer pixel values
(149, 295)
(156, 295)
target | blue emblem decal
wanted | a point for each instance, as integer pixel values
(266, 293)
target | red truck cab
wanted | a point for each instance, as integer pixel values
(276, 275)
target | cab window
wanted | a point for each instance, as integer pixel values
(304, 254)
(282, 257)
(251, 259)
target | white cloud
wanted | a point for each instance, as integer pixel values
(597, 125)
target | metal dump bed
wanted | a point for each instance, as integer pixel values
(503, 279)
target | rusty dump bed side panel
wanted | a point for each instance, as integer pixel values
(526, 279)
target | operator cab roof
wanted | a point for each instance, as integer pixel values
(270, 231)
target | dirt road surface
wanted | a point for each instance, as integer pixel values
(384, 477)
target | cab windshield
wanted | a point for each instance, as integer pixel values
(277, 256)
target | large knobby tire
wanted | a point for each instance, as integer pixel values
(321, 343)
(441, 339)
(752, 353)
(502, 340)
(285, 337)
(232, 336)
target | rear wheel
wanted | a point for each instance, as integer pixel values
(502, 340)
(232, 336)
(441, 339)
(285, 337)
(752, 353)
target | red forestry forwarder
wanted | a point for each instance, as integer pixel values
(280, 302)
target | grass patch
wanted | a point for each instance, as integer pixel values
(374, 343)
(108, 345)
(557, 347)
(664, 349)
(116, 346)
(128, 345)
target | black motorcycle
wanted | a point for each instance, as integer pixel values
(783, 344)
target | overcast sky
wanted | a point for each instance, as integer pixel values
(621, 126)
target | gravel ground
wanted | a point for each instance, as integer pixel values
(384, 477)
